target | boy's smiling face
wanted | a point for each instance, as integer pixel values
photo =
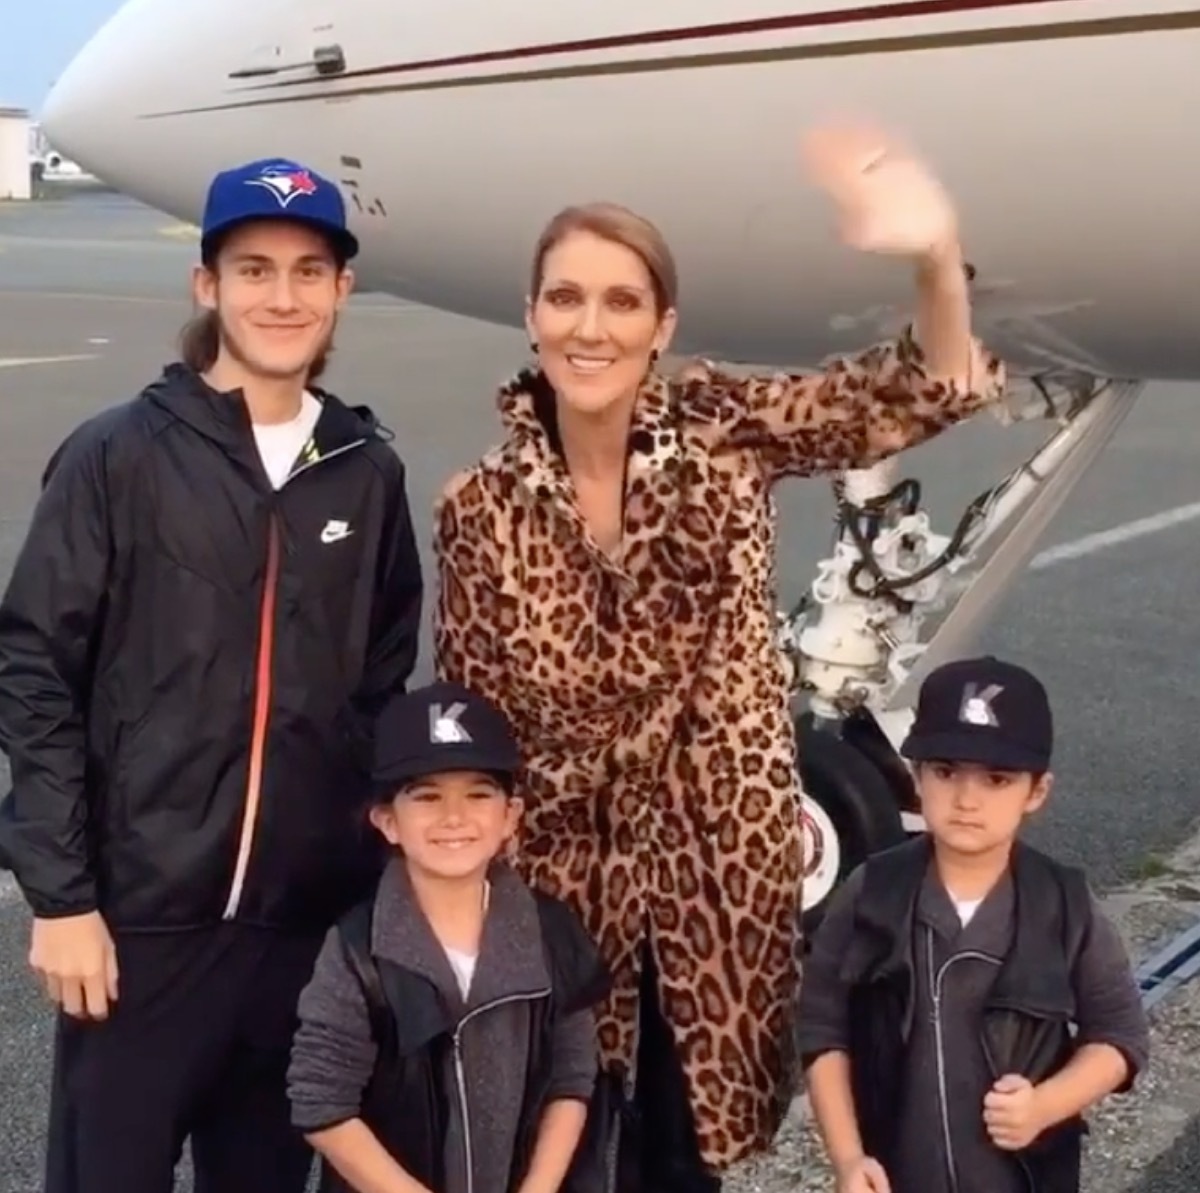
(973, 809)
(450, 825)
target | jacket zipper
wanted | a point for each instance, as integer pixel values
(935, 986)
(460, 1075)
(995, 1071)
(262, 694)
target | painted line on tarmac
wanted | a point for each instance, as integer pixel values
(18, 362)
(1089, 544)
(1126, 532)
(180, 231)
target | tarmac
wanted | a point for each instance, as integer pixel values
(93, 291)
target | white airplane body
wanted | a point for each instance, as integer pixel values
(1063, 129)
(1060, 126)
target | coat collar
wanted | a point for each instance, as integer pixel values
(511, 959)
(654, 469)
(225, 417)
(1033, 978)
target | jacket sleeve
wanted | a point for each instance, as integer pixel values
(823, 1018)
(575, 1057)
(583, 980)
(856, 412)
(1108, 1004)
(333, 1051)
(396, 610)
(50, 618)
(470, 621)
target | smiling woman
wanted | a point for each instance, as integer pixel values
(603, 303)
(606, 578)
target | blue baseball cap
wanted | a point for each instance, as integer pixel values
(273, 189)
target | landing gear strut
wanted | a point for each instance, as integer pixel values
(853, 645)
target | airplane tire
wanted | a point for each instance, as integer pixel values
(848, 812)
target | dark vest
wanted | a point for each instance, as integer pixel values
(405, 1103)
(1027, 1022)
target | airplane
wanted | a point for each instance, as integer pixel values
(456, 127)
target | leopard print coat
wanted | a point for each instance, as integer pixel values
(661, 798)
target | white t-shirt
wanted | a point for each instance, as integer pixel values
(280, 444)
(966, 909)
(463, 965)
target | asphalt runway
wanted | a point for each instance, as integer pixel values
(1113, 632)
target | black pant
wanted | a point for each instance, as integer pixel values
(659, 1151)
(196, 1048)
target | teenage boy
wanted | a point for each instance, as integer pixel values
(219, 588)
(966, 999)
(447, 1040)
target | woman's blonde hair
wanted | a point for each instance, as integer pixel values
(617, 224)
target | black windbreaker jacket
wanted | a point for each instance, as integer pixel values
(190, 664)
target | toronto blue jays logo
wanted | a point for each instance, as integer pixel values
(285, 183)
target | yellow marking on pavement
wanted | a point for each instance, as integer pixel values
(15, 362)
(180, 231)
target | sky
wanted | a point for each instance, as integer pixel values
(35, 46)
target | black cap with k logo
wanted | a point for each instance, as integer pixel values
(984, 711)
(438, 728)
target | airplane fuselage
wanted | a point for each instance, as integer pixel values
(1062, 127)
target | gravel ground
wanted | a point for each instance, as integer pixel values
(797, 1165)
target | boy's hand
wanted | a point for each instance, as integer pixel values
(1011, 1113)
(76, 961)
(863, 1176)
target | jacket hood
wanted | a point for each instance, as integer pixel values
(225, 418)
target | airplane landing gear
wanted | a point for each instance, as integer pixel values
(848, 810)
(854, 648)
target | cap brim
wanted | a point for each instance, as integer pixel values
(343, 238)
(449, 758)
(983, 749)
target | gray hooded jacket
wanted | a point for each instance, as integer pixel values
(334, 1055)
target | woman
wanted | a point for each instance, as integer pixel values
(606, 578)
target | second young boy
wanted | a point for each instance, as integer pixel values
(446, 1040)
(966, 1000)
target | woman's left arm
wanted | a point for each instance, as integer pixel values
(862, 409)
(944, 318)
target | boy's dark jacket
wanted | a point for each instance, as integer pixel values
(180, 645)
(1026, 1022)
(407, 1101)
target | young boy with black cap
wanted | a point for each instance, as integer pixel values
(446, 1039)
(966, 1000)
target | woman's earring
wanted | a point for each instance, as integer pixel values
(533, 347)
(654, 356)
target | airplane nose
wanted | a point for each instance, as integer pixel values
(150, 55)
(87, 114)
(151, 104)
